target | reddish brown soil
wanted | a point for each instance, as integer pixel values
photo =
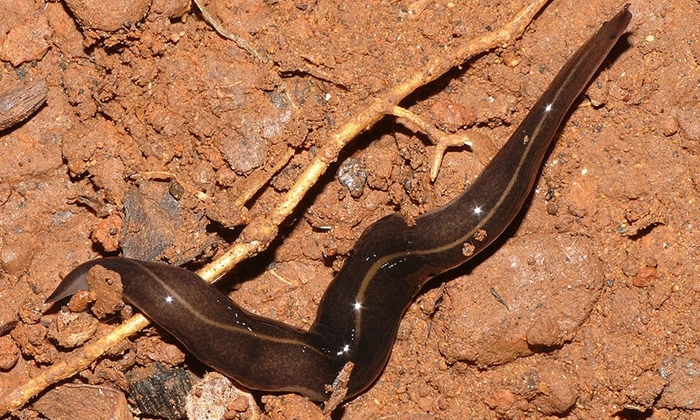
(599, 282)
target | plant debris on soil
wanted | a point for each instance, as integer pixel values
(155, 125)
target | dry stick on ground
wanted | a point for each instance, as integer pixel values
(440, 139)
(259, 233)
(17, 104)
(219, 28)
(244, 196)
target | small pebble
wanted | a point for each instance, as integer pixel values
(352, 174)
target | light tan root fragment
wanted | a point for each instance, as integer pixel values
(260, 232)
(339, 389)
(75, 362)
(440, 139)
(219, 28)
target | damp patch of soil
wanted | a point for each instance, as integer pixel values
(155, 125)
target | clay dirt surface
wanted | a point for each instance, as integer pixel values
(155, 124)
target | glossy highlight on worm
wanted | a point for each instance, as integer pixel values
(359, 314)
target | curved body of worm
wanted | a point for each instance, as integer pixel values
(360, 312)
